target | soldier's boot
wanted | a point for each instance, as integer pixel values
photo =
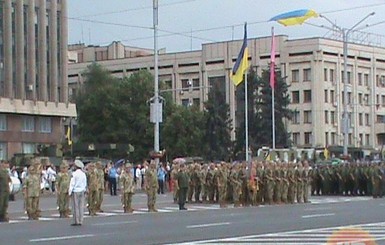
(35, 216)
(237, 204)
(61, 214)
(38, 213)
(222, 205)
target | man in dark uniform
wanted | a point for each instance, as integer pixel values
(4, 191)
(182, 182)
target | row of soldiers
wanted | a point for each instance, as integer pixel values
(276, 183)
(95, 188)
(349, 179)
(243, 184)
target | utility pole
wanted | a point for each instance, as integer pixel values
(157, 105)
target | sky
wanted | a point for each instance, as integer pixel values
(185, 24)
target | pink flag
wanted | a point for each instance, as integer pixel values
(272, 60)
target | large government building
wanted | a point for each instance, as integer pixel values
(313, 68)
(33, 75)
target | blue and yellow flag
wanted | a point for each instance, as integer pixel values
(242, 63)
(296, 17)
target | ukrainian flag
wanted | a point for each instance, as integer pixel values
(242, 63)
(296, 17)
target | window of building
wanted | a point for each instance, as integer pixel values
(186, 84)
(186, 102)
(196, 102)
(45, 125)
(295, 76)
(333, 138)
(350, 139)
(366, 99)
(349, 78)
(296, 117)
(360, 119)
(295, 97)
(296, 138)
(367, 121)
(308, 138)
(331, 74)
(29, 148)
(332, 99)
(326, 117)
(196, 84)
(3, 122)
(349, 97)
(383, 100)
(361, 138)
(28, 124)
(326, 93)
(350, 121)
(307, 117)
(360, 79)
(3, 151)
(327, 138)
(377, 99)
(325, 74)
(332, 117)
(360, 98)
(366, 79)
(307, 96)
(307, 75)
(367, 139)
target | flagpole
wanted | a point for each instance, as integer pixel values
(272, 83)
(246, 121)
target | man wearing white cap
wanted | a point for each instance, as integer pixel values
(77, 189)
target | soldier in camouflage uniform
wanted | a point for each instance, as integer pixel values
(4, 191)
(252, 186)
(269, 184)
(259, 183)
(236, 184)
(92, 184)
(221, 182)
(174, 173)
(292, 184)
(243, 176)
(191, 183)
(62, 186)
(278, 184)
(100, 192)
(204, 185)
(32, 191)
(376, 181)
(284, 184)
(151, 187)
(306, 177)
(196, 179)
(210, 182)
(299, 181)
(127, 186)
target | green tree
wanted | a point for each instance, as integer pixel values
(217, 124)
(264, 111)
(183, 132)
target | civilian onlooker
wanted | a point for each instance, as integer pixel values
(143, 172)
(161, 174)
(51, 176)
(112, 176)
(138, 177)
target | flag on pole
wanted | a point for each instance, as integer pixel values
(242, 62)
(272, 60)
(68, 135)
(296, 17)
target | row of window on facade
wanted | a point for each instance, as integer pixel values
(330, 139)
(27, 148)
(330, 76)
(29, 124)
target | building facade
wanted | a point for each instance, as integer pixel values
(33, 75)
(313, 67)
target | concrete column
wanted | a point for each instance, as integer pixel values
(42, 50)
(20, 74)
(8, 67)
(53, 51)
(31, 51)
(63, 52)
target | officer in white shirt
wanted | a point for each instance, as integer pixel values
(77, 189)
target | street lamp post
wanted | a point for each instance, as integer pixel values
(157, 105)
(345, 37)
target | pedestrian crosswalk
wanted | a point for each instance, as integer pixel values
(50, 216)
(356, 234)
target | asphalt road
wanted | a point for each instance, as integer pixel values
(201, 224)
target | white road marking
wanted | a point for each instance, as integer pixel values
(116, 223)
(317, 215)
(317, 209)
(58, 238)
(207, 225)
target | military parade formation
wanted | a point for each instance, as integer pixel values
(240, 184)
